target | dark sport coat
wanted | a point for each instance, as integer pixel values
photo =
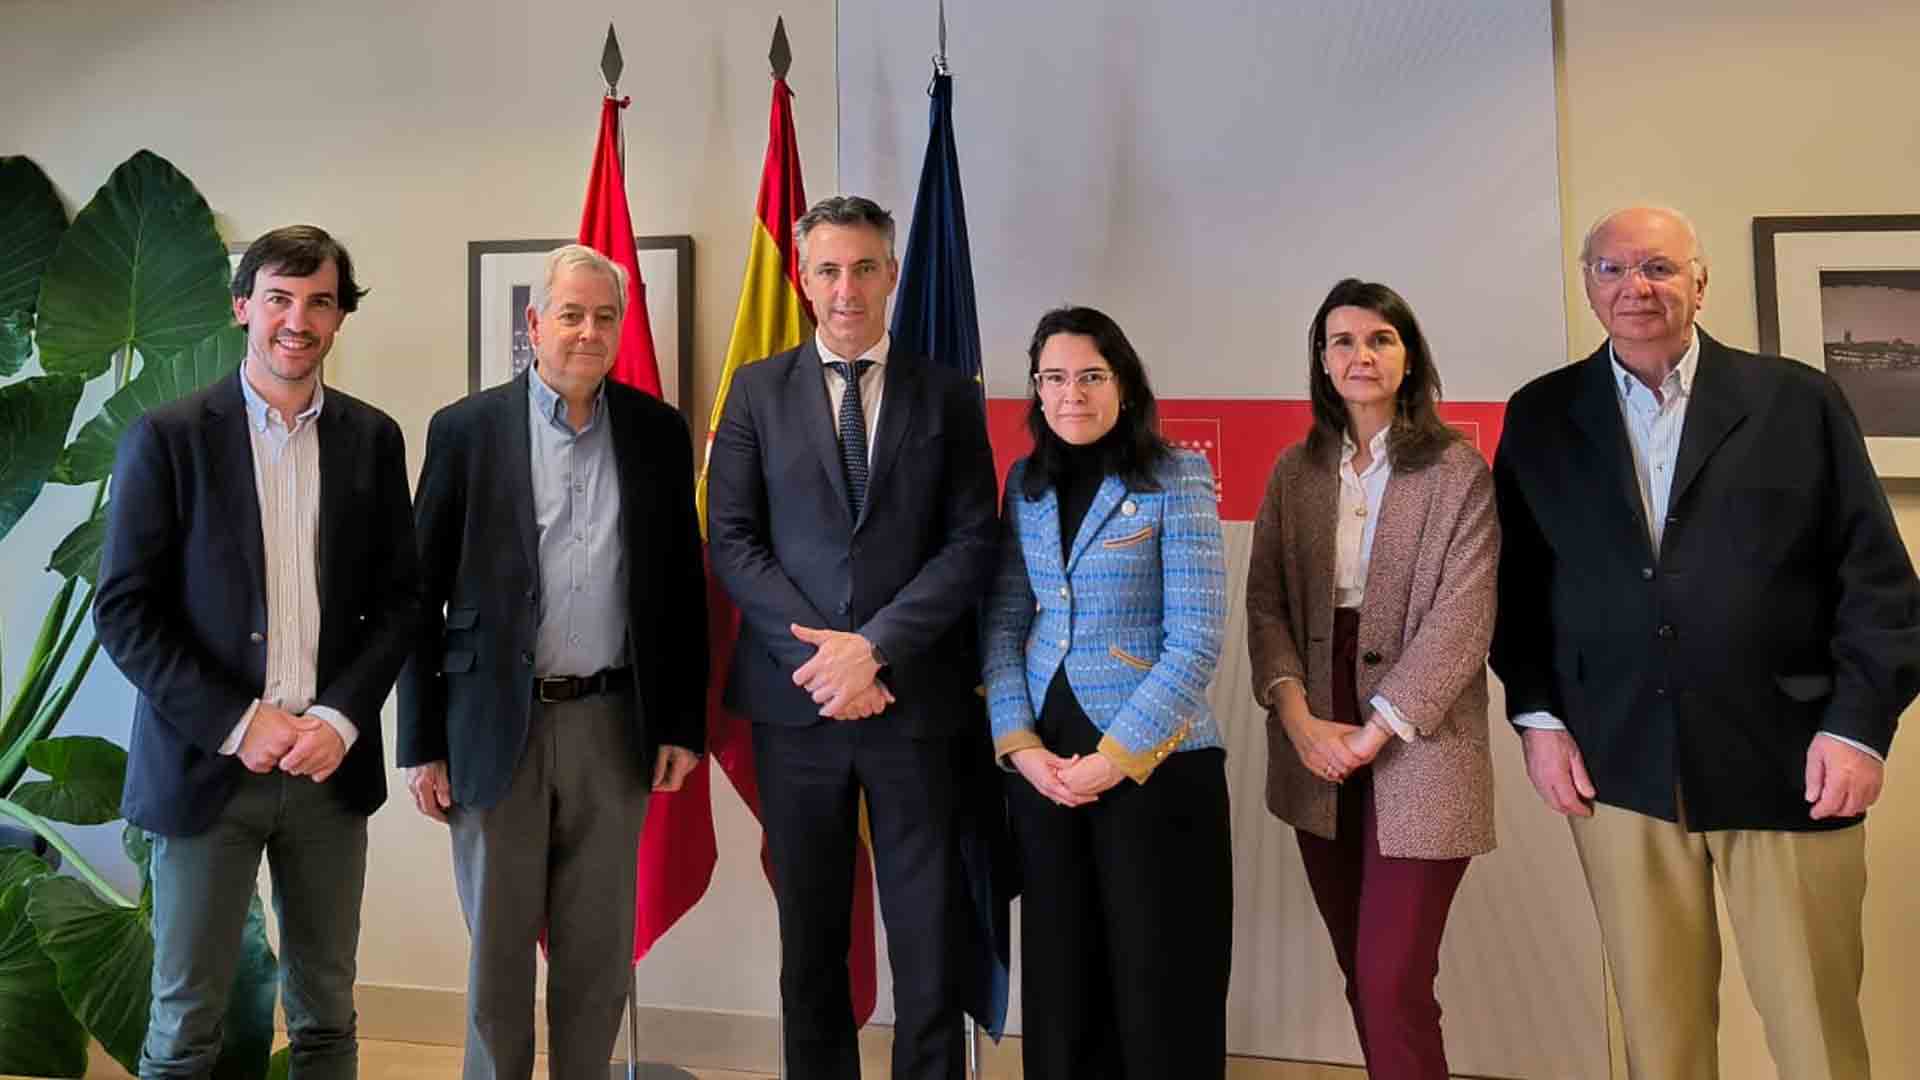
(182, 602)
(1781, 602)
(467, 692)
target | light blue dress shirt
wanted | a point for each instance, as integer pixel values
(582, 625)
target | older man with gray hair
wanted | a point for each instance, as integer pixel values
(1708, 627)
(561, 670)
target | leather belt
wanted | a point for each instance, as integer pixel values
(553, 689)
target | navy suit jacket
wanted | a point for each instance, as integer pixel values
(182, 607)
(466, 694)
(907, 574)
(1781, 602)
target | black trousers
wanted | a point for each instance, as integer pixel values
(1126, 928)
(811, 779)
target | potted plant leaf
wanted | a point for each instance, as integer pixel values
(133, 290)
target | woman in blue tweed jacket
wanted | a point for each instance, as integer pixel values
(1101, 635)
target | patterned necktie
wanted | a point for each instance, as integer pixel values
(853, 432)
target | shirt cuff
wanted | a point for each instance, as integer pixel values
(239, 732)
(1138, 765)
(338, 722)
(1539, 720)
(1857, 745)
(1019, 739)
(1384, 710)
(1266, 696)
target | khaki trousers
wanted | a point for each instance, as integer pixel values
(1794, 899)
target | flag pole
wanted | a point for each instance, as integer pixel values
(611, 67)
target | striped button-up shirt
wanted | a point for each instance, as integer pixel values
(286, 479)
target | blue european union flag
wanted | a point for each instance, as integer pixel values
(934, 316)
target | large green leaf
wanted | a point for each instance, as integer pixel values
(16, 341)
(31, 221)
(34, 416)
(247, 1034)
(142, 265)
(104, 955)
(79, 554)
(38, 1036)
(85, 775)
(90, 457)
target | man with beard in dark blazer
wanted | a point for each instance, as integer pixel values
(258, 588)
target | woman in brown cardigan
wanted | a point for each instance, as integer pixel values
(1369, 608)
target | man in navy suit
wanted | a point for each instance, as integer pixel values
(258, 587)
(851, 517)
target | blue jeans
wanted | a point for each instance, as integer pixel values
(317, 852)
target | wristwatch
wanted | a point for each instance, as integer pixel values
(879, 658)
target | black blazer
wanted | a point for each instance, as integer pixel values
(182, 605)
(467, 692)
(1781, 603)
(907, 574)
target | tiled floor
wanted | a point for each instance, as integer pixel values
(415, 1061)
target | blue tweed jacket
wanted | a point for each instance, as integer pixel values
(1136, 614)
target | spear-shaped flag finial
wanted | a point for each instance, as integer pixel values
(781, 54)
(940, 58)
(611, 65)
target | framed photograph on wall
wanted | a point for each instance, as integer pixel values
(500, 281)
(1842, 292)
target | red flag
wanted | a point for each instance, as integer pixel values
(677, 851)
(606, 227)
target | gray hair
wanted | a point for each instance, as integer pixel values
(579, 257)
(842, 210)
(1693, 234)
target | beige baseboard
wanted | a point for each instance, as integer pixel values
(694, 1038)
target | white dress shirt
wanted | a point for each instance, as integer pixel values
(872, 384)
(1355, 522)
(1654, 422)
(1356, 518)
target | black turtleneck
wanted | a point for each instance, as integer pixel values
(1062, 724)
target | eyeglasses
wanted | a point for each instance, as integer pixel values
(1654, 271)
(1053, 381)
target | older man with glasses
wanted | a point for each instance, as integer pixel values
(1708, 628)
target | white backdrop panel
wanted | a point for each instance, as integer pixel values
(1205, 171)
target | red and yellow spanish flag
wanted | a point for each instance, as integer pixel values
(773, 316)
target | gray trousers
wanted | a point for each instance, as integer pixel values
(557, 852)
(316, 850)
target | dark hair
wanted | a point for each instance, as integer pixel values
(297, 251)
(842, 210)
(1134, 446)
(1418, 435)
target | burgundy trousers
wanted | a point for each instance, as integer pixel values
(1385, 915)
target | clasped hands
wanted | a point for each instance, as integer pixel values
(302, 745)
(1069, 781)
(842, 677)
(1330, 750)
